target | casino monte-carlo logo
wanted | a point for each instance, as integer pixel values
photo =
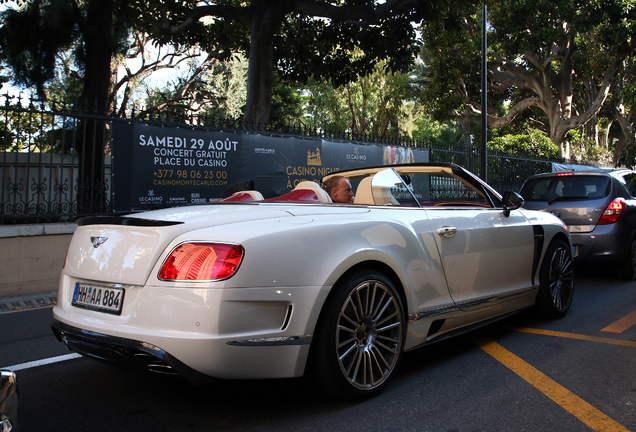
(151, 197)
(356, 156)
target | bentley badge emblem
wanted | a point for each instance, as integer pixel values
(97, 241)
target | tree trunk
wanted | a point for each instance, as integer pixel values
(266, 19)
(97, 29)
(603, 135)
(558, 131)
(626, 122)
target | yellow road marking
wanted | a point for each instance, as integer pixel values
(576, 336)
(573, 404)
(622, 324)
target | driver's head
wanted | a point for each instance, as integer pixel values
(339, 189)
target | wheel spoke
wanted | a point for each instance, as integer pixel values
(393, 315)
(386, 348)
(376, 312)
(351, 306)
(372, 297)
(388, 339)
(353, 321)
(358, 361)
(378, 316)
(390, 326)
(343, 344)
(375, 358)
(352, 349)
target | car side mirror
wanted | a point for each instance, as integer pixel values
(511, 201)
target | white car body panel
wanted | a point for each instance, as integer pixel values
(259, 322)
(470, 255)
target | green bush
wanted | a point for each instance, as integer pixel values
(587, 151)
(534, 143)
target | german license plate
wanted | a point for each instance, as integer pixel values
(98, 298)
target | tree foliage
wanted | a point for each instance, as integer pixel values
(558, 60)
(534, 142)
(298, 39)
(372, 104)
(32, 37)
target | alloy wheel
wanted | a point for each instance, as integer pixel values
(369, 334)
(561, 279)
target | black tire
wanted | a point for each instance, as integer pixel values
(557, 280)
(359, 337)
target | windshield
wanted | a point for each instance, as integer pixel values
(432, 188)
(566, 187)
(388, 188)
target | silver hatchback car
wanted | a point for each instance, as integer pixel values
(599, 209)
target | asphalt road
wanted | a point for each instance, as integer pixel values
(520, 374)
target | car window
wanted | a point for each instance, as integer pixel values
(445, 189)
(389, 188)
(424, 189)
(566, 186)
(629, 181)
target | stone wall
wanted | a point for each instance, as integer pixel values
(32, 256)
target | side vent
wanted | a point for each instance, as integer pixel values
(290, 308)
(435, 327)
(538, 248)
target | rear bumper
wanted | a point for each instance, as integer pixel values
(123, 352)
(606, 244)
(228, 333)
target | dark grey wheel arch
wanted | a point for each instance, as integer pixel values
(381, 267)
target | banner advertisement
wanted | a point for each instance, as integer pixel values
(156, 167)
(277, 164)
(174, 165)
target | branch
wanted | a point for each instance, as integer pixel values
(498, 122)
(598, 102)
(516, 76)
(193, 15)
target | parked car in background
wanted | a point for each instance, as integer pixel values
(8, 401)
(598, 208)
(297, 285)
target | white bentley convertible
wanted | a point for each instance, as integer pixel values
(297, 285)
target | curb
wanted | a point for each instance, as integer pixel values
(33, 301)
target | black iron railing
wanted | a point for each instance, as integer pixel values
(55, 158)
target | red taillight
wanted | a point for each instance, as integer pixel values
(202, 261)
(567, 174)
(613, 212)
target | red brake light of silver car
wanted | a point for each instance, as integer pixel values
(202, 261)
(613, 212)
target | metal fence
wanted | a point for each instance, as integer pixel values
(50, 171)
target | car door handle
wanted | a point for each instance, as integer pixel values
(447, 231)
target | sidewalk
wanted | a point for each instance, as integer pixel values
(32, 301)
